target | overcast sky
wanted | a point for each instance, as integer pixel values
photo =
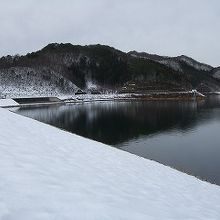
(165, 27)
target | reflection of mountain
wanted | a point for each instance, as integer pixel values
(115, 122)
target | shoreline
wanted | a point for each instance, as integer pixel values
(159, 96)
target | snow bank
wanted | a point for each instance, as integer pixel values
(8, 103)
(47, 173)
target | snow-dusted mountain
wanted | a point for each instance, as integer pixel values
(202, 76)
(60, 69)
(27, 81)
(216, 73)
(176, 63)
(193, 63)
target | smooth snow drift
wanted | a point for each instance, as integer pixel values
(47, 173)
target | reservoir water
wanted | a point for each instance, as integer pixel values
(183, 135)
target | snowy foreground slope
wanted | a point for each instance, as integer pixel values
(47, 173)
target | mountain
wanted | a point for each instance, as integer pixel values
(60, 69)
(216, 73)
(202, 77)
(178, 63)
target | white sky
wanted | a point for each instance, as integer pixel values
(165, 27)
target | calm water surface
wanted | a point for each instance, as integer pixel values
(183, 135)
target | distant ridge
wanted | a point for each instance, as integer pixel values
(169, 60)
(60, 69)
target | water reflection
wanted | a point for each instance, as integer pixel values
(180, 134)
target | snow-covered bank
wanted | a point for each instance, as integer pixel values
(8, 103)
(47, 173)
(184, 95)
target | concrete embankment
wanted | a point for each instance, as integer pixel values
(26, 102)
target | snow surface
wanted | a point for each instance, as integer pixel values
(8, 103)
(47, 173)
